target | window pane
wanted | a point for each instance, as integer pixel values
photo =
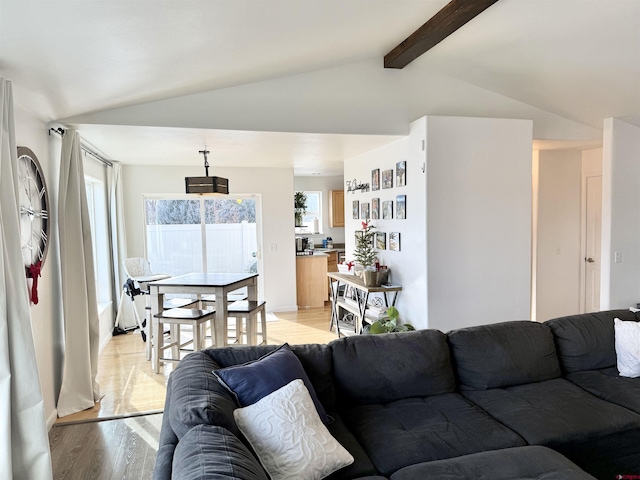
(314, 210)
(174, 236)
(313, 202)
(231, 235)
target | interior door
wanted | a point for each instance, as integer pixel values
(592, 246)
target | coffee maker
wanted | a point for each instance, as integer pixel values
(301, 244)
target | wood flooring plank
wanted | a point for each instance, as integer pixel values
(111, 449)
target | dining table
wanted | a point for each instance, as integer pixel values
(199, 284)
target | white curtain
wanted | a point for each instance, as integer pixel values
(118, 242)
(118, 233)
(79, 387)
(24, 444)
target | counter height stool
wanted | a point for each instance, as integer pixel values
(167, 305)
(248, 310)
(176, 317)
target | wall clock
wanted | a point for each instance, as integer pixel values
(34, 215)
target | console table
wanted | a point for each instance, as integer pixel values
(358, 307)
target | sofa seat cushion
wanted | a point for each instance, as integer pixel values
(608, 385)
(416, 430)
(535, 463)
(598, 436)
(371, 369)
(211, 452)
(586, 341)
(362, 465)
(503, 354)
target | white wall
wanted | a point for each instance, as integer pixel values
(275, 185)
(409, 266)
(479, 220)
(323, 184)
(45, 316)
(558, 233)
(620, 283)
(466, 242)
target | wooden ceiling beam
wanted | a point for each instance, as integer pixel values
(452, 16)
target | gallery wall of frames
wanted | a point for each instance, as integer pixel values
(390, 204)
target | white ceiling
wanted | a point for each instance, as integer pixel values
(154, 81)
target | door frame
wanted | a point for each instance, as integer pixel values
(591, 167)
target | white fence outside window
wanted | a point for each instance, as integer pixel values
(177, 249)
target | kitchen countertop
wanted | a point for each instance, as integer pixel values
(315, 254)
(323, 252)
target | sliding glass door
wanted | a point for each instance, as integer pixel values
(216, 235)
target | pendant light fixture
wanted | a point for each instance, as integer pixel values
(206, 185)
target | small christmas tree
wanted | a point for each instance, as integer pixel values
(364, 252)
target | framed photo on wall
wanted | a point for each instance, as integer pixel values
(356, 209)
(375, 208)
(375, 179)
(387, 179)
(401, 174)
(401, 207)
(387, 210)
(364, 211)
(381, 240)
(359, 234)
(394, 241)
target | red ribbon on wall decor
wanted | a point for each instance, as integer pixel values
(34, 273)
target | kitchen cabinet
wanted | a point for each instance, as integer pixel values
(336, 208)
(311, 280)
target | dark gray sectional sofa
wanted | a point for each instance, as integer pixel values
(508, 400)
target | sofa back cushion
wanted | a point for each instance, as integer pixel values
(194, 397)
(586, 341)
(503, 354)
(316, 360)
(382, 368)
(209, 451)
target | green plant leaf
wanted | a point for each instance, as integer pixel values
(392, 313)
(377, 327)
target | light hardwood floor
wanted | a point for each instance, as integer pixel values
(110, 450)
(130, 387)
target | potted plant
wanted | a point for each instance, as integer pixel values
(365, 255)
(388, 323)
(300, 207)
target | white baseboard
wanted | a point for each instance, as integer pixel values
(104, 342)
(52, 419)
(286, 308)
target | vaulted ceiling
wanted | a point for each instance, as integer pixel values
(301, 83)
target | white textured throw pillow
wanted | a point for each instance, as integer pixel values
(627, 336)
(291, 441)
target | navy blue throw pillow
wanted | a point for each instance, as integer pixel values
(254, 380)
